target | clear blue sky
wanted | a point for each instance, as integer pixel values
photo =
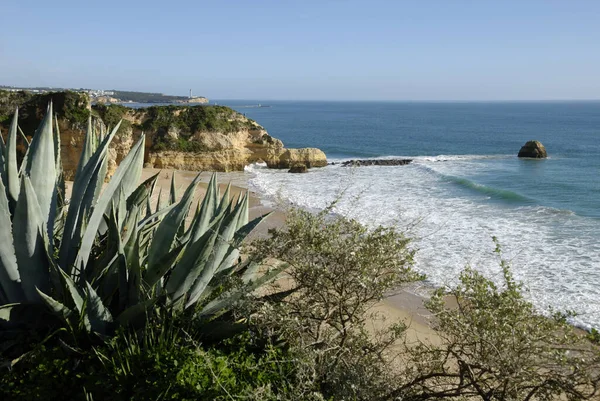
(304, 49)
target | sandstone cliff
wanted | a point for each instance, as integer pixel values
(209, 138)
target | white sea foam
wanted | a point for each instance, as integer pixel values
(554, 252)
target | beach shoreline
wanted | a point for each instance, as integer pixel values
(401, 305)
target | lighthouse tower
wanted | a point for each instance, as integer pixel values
(190, 93)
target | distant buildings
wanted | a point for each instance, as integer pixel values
(92, 92)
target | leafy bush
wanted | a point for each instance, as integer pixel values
(109, 258)
(112, 115)
(68, 105)
(495, 346)
(186, 119)
(194, 119)
(163, 364)
(338, 271)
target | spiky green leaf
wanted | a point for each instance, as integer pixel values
(165, 234)
(30, 246)
(12, 171)
(10, 280)
(128, 167)
(41, 166)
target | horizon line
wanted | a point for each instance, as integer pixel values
(408, 100)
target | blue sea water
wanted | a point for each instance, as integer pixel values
(465, 185)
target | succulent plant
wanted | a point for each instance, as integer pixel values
(105, 257)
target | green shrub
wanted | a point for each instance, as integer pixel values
(109, 258)
(112, 114)
(494, 345)
(163, 365)
(339, 269)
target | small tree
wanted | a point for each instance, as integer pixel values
(338, 270)
(496, 346)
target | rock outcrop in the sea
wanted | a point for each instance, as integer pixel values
(209, 138)
(376, 162)
(310, 157)
(533, 149)
(298, 168)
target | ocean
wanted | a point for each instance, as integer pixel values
(464, 186)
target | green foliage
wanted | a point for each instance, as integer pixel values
(495, 346)
(146, 97)
(164, 364)
(185, 120)
(193, 118)
(112, 114)
(68, 105)
(108, 259)
(339, 269)
(188, 120)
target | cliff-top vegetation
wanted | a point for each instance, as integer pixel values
(68, 105)
(74, 109)
(185, 120)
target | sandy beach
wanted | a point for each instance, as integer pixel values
(401, 305)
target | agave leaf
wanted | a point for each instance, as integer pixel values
(221, 246)
(41, 166)
(129, 181)
(165, 234)
(157, 217)
(76, 294)
(134, 280)
(148, 206)
(133, 314)
(105, 267)
(142, 192)
(10, 280)
(88, 148)
(99, 316)
(165, 263)
(129, 166)
(26, 141)
(2, 159)
(60, 177)
(123, 277)
(252, 279)
(29, 242)
(12, 172)
(225, 201)
(159, 205)
(206, 212)
(6, 311)
(173, 193)
(243, 219)
(233, 253)
(83, 196)
(56, 307)
(192, 265)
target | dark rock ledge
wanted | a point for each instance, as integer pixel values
(376, 162)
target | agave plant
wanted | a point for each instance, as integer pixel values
(107, 257)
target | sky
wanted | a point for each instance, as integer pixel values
(308, 50)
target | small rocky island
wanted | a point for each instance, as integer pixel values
(376, 162)
(534, 150)
(196, 138)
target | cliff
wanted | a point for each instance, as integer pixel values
(197, 99)
(209, 138)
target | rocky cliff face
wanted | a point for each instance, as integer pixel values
(209, 138)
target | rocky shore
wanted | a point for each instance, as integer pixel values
(376, 162)
(209, 138)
